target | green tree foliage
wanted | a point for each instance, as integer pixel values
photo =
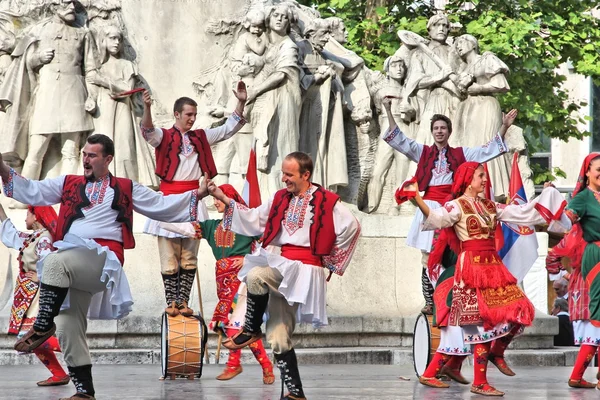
(533, 37)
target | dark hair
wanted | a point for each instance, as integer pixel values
(586, 181)
(562, 304)
(182, 101)
(441, 117)
(108, 146)
(303, 160)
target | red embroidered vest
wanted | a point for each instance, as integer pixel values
(167, 153)
(74, 200)
(322, 230)
(454, 155)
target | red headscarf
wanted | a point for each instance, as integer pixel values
(46, 216)
(463, 177)
(582, 179)
(232, 193)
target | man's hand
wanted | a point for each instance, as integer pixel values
(217, 193)
(241, 93)
(203, 188)
(237, 263)
(387, 102)
(147, 99)
(509, 118)
(46, 56)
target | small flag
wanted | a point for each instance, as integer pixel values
(251, 191)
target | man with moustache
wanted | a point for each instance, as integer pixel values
(84, 276)
(316, 233)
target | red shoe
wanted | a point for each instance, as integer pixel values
(486, 390)
(433, 382)
(454, 374)
(581, 384)
(55, 381)
(268, 377)
(229, 373)
(500, 363)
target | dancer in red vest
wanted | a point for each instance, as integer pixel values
(85, 276)
(32, 246)
(436, 165)
(316, 233)
(183, 156)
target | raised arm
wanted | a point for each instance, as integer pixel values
(396, 138)
(152, 135)
(36, 193)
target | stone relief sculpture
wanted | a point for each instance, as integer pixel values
(276, 93)
(391, 84)
(432, 71)
(245, 62)
(114, 114)
(307, 91)
(49, 75)
(479, 116)
(321, 118)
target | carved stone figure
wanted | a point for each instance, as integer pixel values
(433, 67)
(245, 62)
(338, 29)
(53, 62)
(479, 116)
(114, 115)
(383, 86)
(321, 119)
(7, 45)
(277, 98)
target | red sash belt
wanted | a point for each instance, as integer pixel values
(438, 193)
(114, 246)
(302, 254)
(479, 244)
(177, 187)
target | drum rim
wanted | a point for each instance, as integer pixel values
(164, 346)
(421, 315)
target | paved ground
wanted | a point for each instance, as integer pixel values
(355, 382)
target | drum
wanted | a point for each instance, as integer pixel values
(426, 340)
(183, 341)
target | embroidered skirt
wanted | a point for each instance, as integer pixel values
(586, 333)
(227, 289)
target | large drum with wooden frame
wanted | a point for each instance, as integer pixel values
(183, 342)
(426, 340)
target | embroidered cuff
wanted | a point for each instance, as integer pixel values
(194, 206)
(389, 136)
(197, 230)
(500, 143)
(8, 186)
(146, 131)
(238, 118)
(228, 215)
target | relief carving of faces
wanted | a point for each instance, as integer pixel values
(340, 34)
(466, 44)
(438, 28)
(320, 38)
(396, 70)
(113, 41)
(279, 21)
(66, 11)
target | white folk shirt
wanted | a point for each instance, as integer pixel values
(441, 174)
(99, 222)
(189, 169)
(295, 228)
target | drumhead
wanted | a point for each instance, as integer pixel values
(421, 344)
(164, 344)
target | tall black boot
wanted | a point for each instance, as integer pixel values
(171, 282)
(186, 282)
(288, 366)
(82, 378)
(427, 288)
(256, 305)
(51, 298)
